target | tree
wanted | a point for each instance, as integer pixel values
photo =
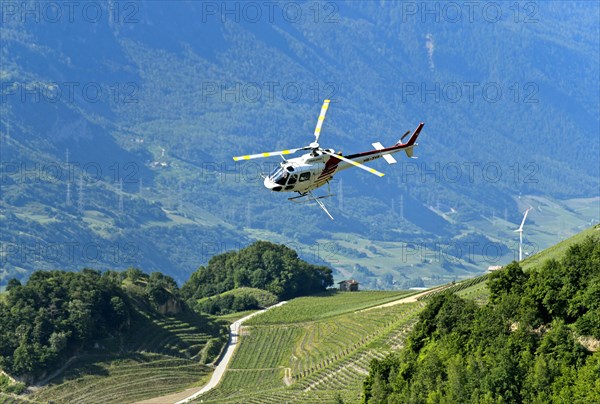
(263, 265)
(12, 283)
(508, 280)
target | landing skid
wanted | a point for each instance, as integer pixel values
(311, 198)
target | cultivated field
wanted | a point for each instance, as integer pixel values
(326, 305)
(317, 349)
(164, 355)
(314, 349)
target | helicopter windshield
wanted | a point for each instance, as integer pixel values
(279, 176)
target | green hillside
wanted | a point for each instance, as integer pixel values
(319, 348)
(313, 348)
(137, 340)
(535, 339)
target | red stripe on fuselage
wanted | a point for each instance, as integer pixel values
(330, 167)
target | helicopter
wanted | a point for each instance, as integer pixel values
(314, 169)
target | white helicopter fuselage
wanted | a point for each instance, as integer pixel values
(313, 170)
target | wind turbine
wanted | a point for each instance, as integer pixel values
(520, 230)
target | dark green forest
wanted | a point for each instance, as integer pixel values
(533, 341)
(263, 265)
(57, 314)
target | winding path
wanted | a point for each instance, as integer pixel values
(190, 394)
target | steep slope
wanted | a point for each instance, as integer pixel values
(73, 337)
(535, 339)
(151, 107)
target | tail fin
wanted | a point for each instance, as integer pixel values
(413, 137)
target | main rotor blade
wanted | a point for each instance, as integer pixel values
(354, 163)
(268, 154)
(406, 134)
(320, 120)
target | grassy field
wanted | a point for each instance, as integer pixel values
(163, 355)
(326, 305)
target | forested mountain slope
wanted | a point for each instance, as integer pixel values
(117, 132)
(536, 340)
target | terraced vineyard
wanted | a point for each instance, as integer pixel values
(316, 348)
(164, 355)
(124, 378)
(470, 288)
(186, 336)
(326, 305)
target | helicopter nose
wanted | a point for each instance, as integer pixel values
(271, 185)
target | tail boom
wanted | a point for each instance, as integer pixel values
(381, 152)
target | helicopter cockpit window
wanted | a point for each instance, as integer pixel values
(304, 176)
(275, 170)
(290, 168)
(293, 179)
(279, 176)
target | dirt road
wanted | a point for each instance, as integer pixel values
(190, 394)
